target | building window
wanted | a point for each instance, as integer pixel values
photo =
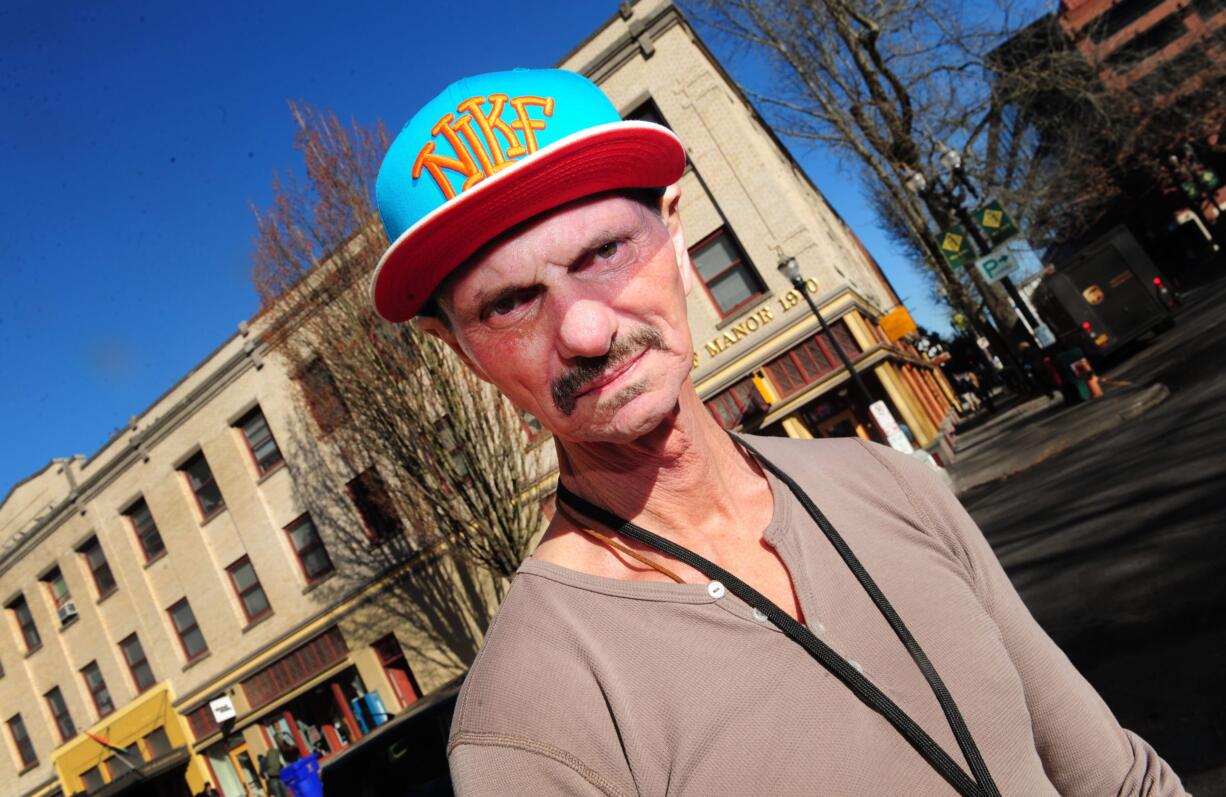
(65, 609)
(374, 503)
(25, 621)
(812, 359)
(731, 406)
(92, 779)
(146, 529)
(322, 396)
(312, 555)
(247, 587)
(725, 272)
(158, 744)
(119, 764)
(200, 478)
(296, 667)
(260, 442)
(190, 637)
(648, 112)
(391, 656)
(59, 714)
(21, 740)
(202, 722)
(104, 582)
(96, 684)
(138, 665)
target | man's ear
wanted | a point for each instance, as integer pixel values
(670, 211)
(439, 329)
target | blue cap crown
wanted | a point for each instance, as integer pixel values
(476, 128)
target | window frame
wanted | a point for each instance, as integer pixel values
(375, 506)
(62, 716)
(28, 627)
(241, 425)
(101, 689)
(181, 633)
(144, 660)
(743, 260)
(93, 543)
(140, 536)
(48, 580)
(318, 386)
(824, 345)
(305, 517)
(255, 586)
(195, 490)
(22, 742)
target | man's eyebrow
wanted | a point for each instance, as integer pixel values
(486, 297)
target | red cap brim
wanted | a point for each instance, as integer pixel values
(604, 158)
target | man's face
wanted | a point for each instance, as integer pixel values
(579, 317)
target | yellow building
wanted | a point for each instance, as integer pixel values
(178, 576)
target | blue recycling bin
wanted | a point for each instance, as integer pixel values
(302, 777)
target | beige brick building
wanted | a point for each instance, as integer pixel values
(178, 566)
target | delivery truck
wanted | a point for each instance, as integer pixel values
(1105, 295)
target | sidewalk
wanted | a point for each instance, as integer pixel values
(1036, 430)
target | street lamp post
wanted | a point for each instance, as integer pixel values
(791, 270)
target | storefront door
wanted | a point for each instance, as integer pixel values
(241, 759)
(841, 424)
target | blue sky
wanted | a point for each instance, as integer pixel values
(134, 141)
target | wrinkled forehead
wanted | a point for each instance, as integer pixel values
(556, 237)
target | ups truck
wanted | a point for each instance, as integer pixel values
(1105, 295)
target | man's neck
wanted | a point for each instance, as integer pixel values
(684, 477)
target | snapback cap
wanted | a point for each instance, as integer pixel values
(492, 151)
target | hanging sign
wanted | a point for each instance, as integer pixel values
(996, 224)
(955, 246)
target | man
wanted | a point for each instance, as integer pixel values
(864, 639)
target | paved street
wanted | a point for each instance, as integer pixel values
(1116, 545)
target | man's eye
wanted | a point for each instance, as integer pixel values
(607, 250)
(504, 305)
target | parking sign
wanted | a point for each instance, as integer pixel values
(997, 264)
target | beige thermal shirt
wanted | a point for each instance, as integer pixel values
(597, 686)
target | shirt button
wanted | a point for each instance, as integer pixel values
(715, 590)
(855, 665)
(759, 616)
(819, 629)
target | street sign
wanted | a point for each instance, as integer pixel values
(897, 324)
(996, 265)
(956, 246)
(996, 224)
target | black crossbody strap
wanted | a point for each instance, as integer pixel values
(864, 689)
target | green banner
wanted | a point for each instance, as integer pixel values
(956, 246)
(996, 224)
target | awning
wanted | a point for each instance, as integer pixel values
(148, 777)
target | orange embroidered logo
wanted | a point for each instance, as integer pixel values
(480, 153)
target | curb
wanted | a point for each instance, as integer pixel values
(1154, 395)
(1149, 398)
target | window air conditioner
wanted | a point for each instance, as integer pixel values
(67, 611)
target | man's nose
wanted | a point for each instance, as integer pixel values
(587, 329)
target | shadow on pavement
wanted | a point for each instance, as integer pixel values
(1116, 549)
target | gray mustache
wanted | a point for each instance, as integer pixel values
(566, 388)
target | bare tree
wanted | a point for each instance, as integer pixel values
(400, 430)
(1071, 134)
(886, 83)
(889, 83)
